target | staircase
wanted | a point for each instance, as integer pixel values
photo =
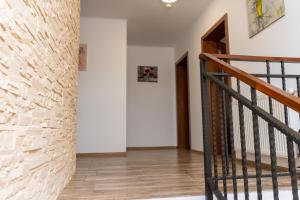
(236, 124)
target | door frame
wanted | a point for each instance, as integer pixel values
(218, 31)
(212, 33)
(184, 56)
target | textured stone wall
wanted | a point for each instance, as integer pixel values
(38, 90)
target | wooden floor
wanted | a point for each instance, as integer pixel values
(144, 174)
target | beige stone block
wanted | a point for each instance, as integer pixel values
(35, 161)
(24, 120)
(36, 144)
(8, 141)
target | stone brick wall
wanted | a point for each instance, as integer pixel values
(39, 42)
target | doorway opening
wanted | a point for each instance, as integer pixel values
(182, 97)
(216, 41)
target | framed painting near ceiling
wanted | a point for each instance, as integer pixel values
(262, 13)
(82, 57)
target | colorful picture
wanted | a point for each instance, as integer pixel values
(82, 57)
(262, 13)
(147, 74)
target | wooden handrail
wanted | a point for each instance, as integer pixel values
(257, 58)
(270, 90)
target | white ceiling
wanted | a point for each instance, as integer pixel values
(149, 21)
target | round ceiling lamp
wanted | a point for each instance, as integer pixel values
(169, 3)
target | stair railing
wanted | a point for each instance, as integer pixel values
(218, 92)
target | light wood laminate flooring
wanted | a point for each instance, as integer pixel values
(146, 174)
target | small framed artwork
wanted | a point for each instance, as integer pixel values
(147, 74)
(82, 57)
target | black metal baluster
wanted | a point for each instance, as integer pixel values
(232, 148)
(256, 146)
(272, 143)
(224, 100)
(290, 144)
(298, 88)
(206, 131)
(213, 119)
(243, 143)
(226, 140)
(222, 138)
(298, 93)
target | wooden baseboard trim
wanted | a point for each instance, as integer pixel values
(197, 151)
(151, 148)
(101, 155)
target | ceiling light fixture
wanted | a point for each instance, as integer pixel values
(169, 3)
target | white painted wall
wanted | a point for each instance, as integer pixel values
(151, 111)
(102, 88)
(280, 39)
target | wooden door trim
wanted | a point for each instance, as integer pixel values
(184, 56)
(217, 32)
(206, 36)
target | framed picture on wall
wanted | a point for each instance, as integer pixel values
(147, 74)
(262, 13)
(82, 57)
